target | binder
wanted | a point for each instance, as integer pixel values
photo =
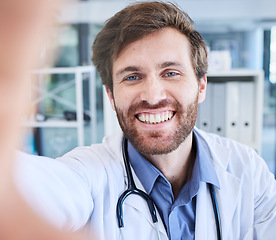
(218, 103)
(205, 110)
(232, 110)
(246, 112)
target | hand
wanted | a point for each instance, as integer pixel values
(24, 25)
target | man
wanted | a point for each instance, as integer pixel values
(153, 65)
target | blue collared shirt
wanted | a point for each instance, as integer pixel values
(178, 214)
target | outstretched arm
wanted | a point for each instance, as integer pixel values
(23, 27)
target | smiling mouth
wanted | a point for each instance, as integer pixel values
(155, 118)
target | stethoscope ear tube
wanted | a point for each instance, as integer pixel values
(216, 211)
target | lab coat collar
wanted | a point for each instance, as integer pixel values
(227, 196)
(114, 146)
(141, 206)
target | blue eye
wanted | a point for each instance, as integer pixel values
(170, 74)
(132, 78)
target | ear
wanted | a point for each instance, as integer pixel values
(202, 89)
(110, 96)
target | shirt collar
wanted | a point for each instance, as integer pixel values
(203, 170)
(145, 171)
(203, 166)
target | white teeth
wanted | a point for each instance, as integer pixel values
(155, 118)
(152, 119)
(158, 118)
(162, 117)
(166, 115)
(142, 118)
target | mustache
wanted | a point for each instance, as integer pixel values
(146, 105)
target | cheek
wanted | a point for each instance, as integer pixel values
(121, 100)
(124, 97)
(184, 95)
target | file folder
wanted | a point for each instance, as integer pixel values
(247, 103)
(218, 103)
(232, 110)
(205, 110)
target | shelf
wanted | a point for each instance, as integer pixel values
(40, 92)
(51, 124)
(239, 72)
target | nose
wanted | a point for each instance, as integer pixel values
(153, 91)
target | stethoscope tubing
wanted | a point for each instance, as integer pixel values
(216, 210)
(132, 189)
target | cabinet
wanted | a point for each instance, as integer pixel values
(233, 106)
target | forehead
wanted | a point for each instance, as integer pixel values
(167, 44)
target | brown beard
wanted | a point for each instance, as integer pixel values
(158, 146)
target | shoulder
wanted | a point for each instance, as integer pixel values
(214, 142)
(212, 138)
(100, 154)
(231, 155)
(98, 162)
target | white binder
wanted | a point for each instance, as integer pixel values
(218, 103)
(205, 110)
(247, 103)
(232, 110)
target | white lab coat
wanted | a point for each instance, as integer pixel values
(85, 184)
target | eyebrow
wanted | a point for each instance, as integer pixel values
(170, 64)
(128, 69)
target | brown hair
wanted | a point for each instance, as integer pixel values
(138, 20)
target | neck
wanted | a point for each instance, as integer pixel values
(176, 166)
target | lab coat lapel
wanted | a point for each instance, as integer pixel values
(137, 205)
(205, 226)
(134, 201)
(141, 206)
(227, 196)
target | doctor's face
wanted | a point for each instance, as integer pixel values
(156, 92)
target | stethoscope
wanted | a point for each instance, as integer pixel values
(132, 189)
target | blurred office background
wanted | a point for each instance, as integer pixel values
(244, 29)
